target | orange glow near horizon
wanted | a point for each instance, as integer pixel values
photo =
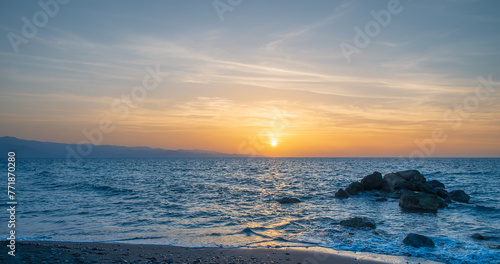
(277, 129)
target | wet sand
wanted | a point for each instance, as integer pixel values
(94, 252)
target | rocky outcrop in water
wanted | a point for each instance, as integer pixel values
(410, 187)
(359, 222)
(416, 240)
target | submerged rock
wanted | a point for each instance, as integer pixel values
(373, 181)
(341, 194)
(287, 200)
(459, 196)
(420, 201)
(416, 240)
(381, 199)
(354, 188)
(478, 236)
(359, 222)
(248, 231)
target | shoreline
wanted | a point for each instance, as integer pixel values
(115, 252)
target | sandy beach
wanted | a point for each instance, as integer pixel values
(93, 252)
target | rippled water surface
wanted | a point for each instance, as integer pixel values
(232, 202)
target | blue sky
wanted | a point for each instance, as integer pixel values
(222, 79)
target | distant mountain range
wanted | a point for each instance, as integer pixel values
(38, 149)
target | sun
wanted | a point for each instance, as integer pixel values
(274, 142)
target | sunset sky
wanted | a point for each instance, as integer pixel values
(256, 77)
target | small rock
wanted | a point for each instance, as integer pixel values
(359, 222)
(477, 236)
(341, 194)
(287, 200)
(373, 181)
(416, 240)
(442, 193)
(354, 188)
(459, 196)
(442, 204)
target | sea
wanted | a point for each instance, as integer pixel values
(231, 202)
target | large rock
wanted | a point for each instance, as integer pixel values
(436, 184)
(385, 187)
(392, 180)
(373, 181)
(412, 175)
(459, 196)
(354, 188)
(287, 200)
(359, 222)
(407, 185)
(341, 194)
(416, 240)
(406, 180)
(420, 201)
(426, 187)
